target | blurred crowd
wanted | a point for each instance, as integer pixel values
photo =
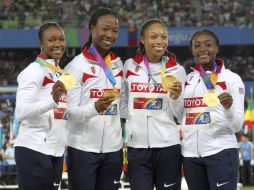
(74, 13)
(238, 59)
(6, 135)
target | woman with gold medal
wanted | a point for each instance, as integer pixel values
(213, 113)
(94, 141)
(153, 81)
(41, 106)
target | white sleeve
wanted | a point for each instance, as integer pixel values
(75, 110)
(177, 105)
(235, 114)
(27, 104)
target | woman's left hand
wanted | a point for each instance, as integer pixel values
(175, 90)
(226, 100)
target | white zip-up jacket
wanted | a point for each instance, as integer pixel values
(206, 130)
(149, 109)
(40, 131)
(88, 130)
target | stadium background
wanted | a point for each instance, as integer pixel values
(232, 21)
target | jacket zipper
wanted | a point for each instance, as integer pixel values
(101, 149)
(197, 146)
(102, 137)
(196, 87)
(197, 131)
(148, 137)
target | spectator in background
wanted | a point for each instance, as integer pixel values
(246, 150)
(8, 157)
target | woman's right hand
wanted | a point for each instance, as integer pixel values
(103, 103)
(58, 90)
(176, 90)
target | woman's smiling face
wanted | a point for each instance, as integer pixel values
(204, 49)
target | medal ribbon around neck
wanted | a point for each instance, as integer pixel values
(166, 81)
(211, 97)
(164, 60)
(105, 64)
(48, 65)
(210, 82)
(150, 76)
(67, 79)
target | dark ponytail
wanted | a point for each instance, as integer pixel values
(88, 43)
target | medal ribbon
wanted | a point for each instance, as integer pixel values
(210, 81)
(48, 65)
(164, 60)
(163, 67)
(105, 64)
(150, 76)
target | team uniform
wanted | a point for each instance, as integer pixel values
(209, 144)
(154, 155)
(40, 144)
(94, 140)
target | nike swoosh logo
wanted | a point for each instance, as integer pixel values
(221, 184)
(116, 182)
(56, 184)
(169, 185)
(113, 68)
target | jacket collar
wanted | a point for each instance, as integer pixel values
(90, 57)
(171, 61)
(51, 61)
(219, 62)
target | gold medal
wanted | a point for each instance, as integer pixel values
(114, 93)
(167, 82)
(68, 81)
(211, 99)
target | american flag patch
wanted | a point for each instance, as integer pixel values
(241, 90)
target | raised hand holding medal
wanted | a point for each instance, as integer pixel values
(211, 98)
(110, 95)
(226, 100)
(107, 66)
(169, 82)
(68, 80)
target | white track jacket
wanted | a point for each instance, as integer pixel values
(149, 109)
(207, 131)
(40, 130)
(88, 130)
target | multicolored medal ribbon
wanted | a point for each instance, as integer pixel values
(211, 97)
(107, 66)
(67, 79)
(166, 81)
(150, 76)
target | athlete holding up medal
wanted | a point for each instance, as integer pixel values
(94, 152)
(41, 106)
(213, 113)
(153, 98)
